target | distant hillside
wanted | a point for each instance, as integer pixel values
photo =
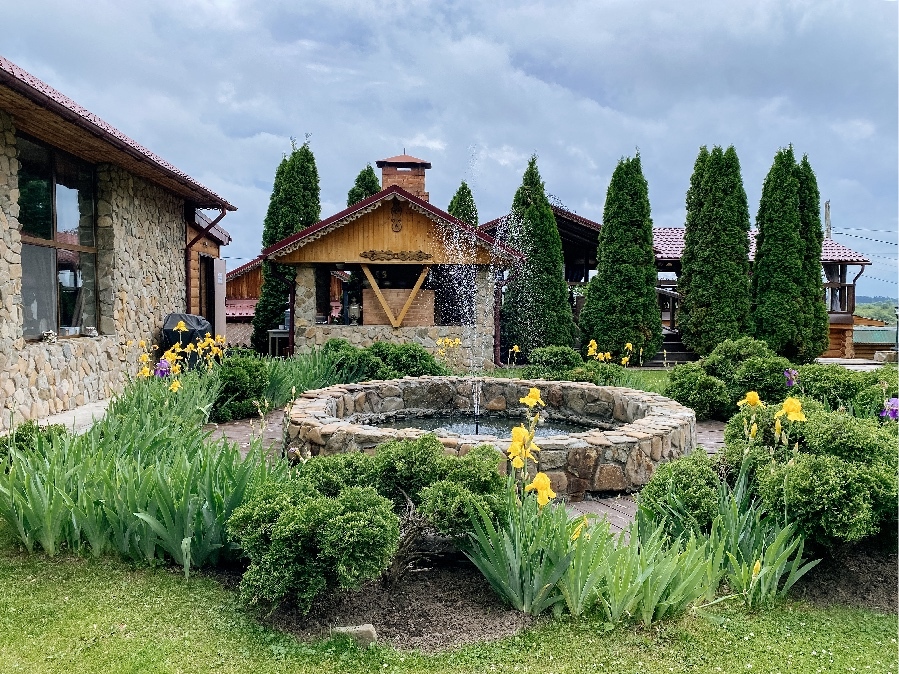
(883, 311)
(875, 299)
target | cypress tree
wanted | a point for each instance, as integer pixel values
(366, 185)
(777, 270)
(454, 285)
(714, 279)
(815, 326)
(294, 205)
(536, 311)
(621, 305)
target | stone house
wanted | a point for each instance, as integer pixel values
(99, 241)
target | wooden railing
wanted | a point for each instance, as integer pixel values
(840, 297)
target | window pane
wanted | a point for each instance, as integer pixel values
(35, 177)
(74, 201)
(38, 290)
(77, 278)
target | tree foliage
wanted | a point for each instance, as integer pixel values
(815, 325)
(621, 305)
(294, 205)
(714, 280)
(777, 271)
(366, 185)
(536, 311)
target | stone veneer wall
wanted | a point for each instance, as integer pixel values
(630, 431)
(140, 264)
(475, 351)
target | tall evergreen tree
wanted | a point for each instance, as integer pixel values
(367, 184)
(777, 270)
(536, 310)
(454, 285)
(294, 205)
(621, 305)
(714, 280)
(815, 326)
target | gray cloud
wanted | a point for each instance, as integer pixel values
(218, 88)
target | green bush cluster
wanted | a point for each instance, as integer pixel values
(308, 536)
(244, 383)
(25, 436)
(596, 372)
(689, 484)
(381, 360)
(690, 385)
(548, 362)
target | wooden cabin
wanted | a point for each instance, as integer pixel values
(414, 273)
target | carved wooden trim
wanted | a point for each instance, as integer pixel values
(403, 255)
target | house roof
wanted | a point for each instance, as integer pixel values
(324, 227)
(240, 308)
(217, 233)
(245, 267)
(669, 245)
(30, 101)
(559, 213)
(403, 161)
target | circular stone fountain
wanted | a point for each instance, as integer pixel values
(625, 433)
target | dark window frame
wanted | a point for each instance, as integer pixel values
(32, 240)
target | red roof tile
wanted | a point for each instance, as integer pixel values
(218, 232)
(403, 161)
(240, 308)
(44, 95)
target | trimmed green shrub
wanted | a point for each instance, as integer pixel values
(740, 423)
(726, 358)
(551, 362)
(25, 436)
(689, 385)
(244, 382)
(688, 485)
(830, 499)
(833, 385)
(301, 543)
(596, 372)
(765, 376)
(407, 360)
(850, 438)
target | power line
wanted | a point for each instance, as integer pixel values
(874, 278)
(864, 229)
(856, 236)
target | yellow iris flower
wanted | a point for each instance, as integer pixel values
(175, 386)
(579, 528)
(757, 568)
(792, 407)
(144, 358)
(180, 327)
(777, 428)
(753, 431)
(625, 360)
(752, 399)
(142, 344)
(591, 348)
(542, 487)
(629, 346)
(532, 398)
(144, 372)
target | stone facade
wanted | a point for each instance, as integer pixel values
(475, 352)
(627, 433)
(140, 266)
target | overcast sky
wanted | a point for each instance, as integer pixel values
(218, 88)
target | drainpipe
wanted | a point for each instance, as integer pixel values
(293, 296)
(499, 284)
(187, 250)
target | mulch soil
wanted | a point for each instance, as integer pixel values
(859, 577)
(429, 609)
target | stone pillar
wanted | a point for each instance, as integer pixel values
(304, 305)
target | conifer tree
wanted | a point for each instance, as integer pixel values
(536, 311)
(777, 269)
(714, 280)
(294, 205)
(366, 185)
(454, 285)
(814, 336)
(621, 305)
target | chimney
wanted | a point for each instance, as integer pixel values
(406, 172)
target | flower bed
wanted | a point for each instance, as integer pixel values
(627, 433)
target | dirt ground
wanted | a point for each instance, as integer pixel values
(270, 429)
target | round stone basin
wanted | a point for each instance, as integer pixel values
(612, 440)
(487, 426)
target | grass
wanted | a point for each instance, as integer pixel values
(653, 381)
(69, 614)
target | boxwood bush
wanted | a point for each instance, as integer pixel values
(690, 385)
(688, 485)
(551, 362)
(382, 360)
(244, 380)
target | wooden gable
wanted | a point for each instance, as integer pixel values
(391, 233)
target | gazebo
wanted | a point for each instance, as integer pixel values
(394, 268)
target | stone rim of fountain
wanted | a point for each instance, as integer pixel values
(632, 431)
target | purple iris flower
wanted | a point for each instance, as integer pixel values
(891, 408)
(792, 377)
(163, 369)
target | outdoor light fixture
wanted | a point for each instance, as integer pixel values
(354, 311)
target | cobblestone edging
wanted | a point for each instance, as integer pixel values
(632, 432)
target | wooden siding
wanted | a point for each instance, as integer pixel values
(421, 312)
(247, 286)
(374, 231)
(205, 246)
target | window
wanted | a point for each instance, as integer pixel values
(59, 254)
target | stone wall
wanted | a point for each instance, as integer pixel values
(627, 433)
(140, 264)
(475, 351)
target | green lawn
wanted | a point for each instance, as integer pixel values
(76, 615)
(645, 380)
